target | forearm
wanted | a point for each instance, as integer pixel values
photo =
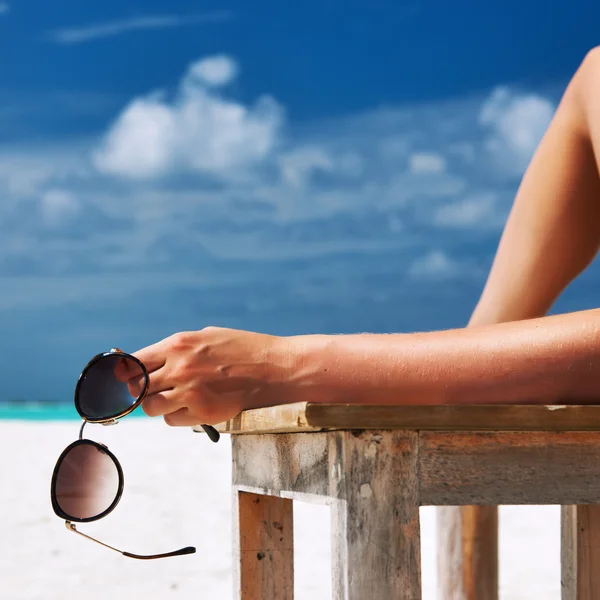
(552, 234)
(548, 360)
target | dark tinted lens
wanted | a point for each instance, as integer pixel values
(87, 482)
(110, 386)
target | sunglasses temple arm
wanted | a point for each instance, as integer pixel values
(71, 527)
(212, 433)
(188, 550)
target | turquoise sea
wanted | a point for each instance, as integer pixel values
(44, 412)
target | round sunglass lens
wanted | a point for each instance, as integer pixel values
(87, 482)
(110, 387)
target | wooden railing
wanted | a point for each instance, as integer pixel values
(376, 465)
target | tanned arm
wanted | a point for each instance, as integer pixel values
(510, 353)
(551, 235)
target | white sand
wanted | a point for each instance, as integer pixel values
(177, 493)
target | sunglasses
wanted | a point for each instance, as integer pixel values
(87, 482)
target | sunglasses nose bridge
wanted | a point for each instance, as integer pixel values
(105, 423)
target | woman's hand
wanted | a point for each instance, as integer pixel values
(209, 376)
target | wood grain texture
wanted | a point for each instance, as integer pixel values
(275, 463)
(479, 541)
(286, 418)
(375, 520)
(467, 553)
(568, 552)
(371, 481)
(449, 553)
(377, 477)
(456, 469)
(265, 547)
(580, 552)
(295, 418)
(489, 468)
(455, 418)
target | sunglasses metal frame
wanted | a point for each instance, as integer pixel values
(102, 448)
(113, 418)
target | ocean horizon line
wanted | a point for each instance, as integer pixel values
(42, 411)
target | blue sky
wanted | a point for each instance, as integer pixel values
(290, 168)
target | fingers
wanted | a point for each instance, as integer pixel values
(162, 403)
(153, 357)
(175, 406)
(136, 387)
(130, 372)
(121, 370)
(181, 418)
(126, 369)
(159, 381)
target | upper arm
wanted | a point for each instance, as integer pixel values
(553, 230)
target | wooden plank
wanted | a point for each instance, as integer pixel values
(449, 553)
(375, 521)
(293, 418)
(480, 552)
(465, 418)
(488, 468)
(274, 463)
(580, 552)
(265, 548)
(286, 418)
(478, 468)
(568, 552)
(467, 552)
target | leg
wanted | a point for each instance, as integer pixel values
(263, 547)
(551, 235)
(580, 552)
(375, 517)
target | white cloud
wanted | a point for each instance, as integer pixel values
(517, 122)
(141, 143)
(4, 8)
(435, 265)
(199, 131)
(95, 31)
(26, 171)
(297, 165)
(359, 184)
(58, 205)
(476, 210)
(213, 71)
(427, 163)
